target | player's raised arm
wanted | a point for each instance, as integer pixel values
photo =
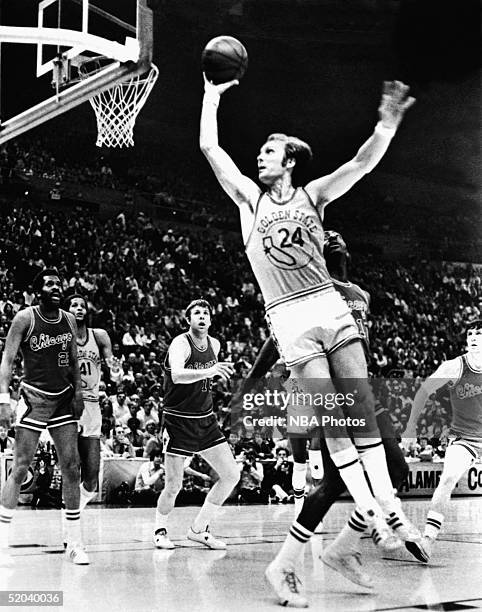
(447, 372)
(395, 102)
(241, 189)
(17, 330)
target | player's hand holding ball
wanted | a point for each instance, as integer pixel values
(224, 61)
(395, 102)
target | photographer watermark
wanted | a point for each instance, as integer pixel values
(338, 407)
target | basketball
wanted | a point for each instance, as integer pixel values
(224, 58)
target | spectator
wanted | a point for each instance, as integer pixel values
(149, 481)
(6, 443)
(278, 478)
(119, 444)
(251, 478)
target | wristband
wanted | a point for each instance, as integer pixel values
(382, 130)
(4, 398)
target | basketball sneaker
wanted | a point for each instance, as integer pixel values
(381, 533)
(161, 540)
(348, 564)
(398, 521)
(287, 586)
(76, 553)
(421, 549)
(206, 538)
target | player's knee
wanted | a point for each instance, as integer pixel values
(70, 467)
(232, 476)
(20, 471)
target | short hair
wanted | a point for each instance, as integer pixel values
(295, 148)
(38, 281)
(156, 452)
(282, 449)
(69, 298)
(200, 302)
(476, 324)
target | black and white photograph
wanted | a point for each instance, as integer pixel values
(240, 305)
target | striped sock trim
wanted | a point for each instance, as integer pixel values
(347, 465)
(433, 523)
(355, 524)
(376, 536)
(364, 447)
(300, 533)
(359, 517)
(72, 515)
(299, 493)
(6, 518)
(394, 521)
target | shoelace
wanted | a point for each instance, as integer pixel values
(292, 581)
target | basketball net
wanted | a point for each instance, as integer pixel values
(116, 109)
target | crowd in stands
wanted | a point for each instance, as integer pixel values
(138, 277)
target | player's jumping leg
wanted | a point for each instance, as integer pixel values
(350, 373)
(65, 438)
(222, 461)
(174, 470)
(26, 441)
(458, 458)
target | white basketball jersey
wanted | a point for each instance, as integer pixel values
(285, 249)
(89, 365)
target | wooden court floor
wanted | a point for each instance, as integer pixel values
(128, 574)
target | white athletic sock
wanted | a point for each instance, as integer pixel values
(205, 516)
(161, 520)
(351, 472)
(348, 540)
(298, 479)
(316, 464)
(290, 552)
(6, 515)
(85, 496)
(433, 524)
(72, 526)
(375, 464)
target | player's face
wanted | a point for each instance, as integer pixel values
(334, 243)
(271, 161)
(3, 432)
(474, 341)
(51, 293)
(200, 318)
(78, 308)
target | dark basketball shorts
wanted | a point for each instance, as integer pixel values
(189, 435)
(38, 410)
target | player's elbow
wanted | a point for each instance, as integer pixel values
(206, 147)
(176, 377)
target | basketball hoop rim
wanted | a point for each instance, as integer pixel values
(150, 71)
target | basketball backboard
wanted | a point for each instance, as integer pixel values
(57, 36)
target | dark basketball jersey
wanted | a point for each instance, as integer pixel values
(358, 302)
(46, 352)
(466, 399)
(191, 399)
